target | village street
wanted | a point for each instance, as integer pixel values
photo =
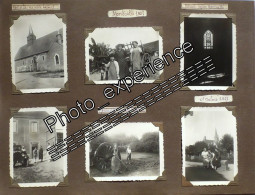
(196, 172)
(40, 172)
(29, 80)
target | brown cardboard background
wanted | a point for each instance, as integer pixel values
(166, 13)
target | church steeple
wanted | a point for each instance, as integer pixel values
(31, 37)
(216, 137)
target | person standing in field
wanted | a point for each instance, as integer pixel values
(135, 56)
(116, 160)
(113, 69)
(120, 56)
(128, 155)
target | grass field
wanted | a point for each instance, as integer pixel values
(142, 164)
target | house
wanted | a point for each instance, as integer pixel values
(30, 131)
(42, 54)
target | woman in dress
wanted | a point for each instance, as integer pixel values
(120, 56)
(135, 56)
(113, 69)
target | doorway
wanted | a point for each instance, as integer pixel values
(33, 146)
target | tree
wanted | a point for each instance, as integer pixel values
(190, 150)
(227, 142)
(199, 147)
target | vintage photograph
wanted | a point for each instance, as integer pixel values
(209, 145)
(114, 53)
(205, 32)
(30, 163)
(128, 152)
(38, 53)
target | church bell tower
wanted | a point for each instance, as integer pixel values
(31, 37)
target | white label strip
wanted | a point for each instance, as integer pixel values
(205, 6)
(213, 98)
(127, 13)
(36, 7)
(107, 110)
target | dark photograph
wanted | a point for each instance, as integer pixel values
(129, 151)
(209, 146)
(30, 163)
(114, 53)
(38, 52)
(211, 35)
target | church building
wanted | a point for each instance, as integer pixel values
(214, 142)
(42, 54)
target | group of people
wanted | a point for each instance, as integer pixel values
(40, 153)
(118, 66)
(116, 159)
(211, 159)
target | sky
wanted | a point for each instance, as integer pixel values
(204, 123)
(124, 35)
(132, 129)
(41, 25)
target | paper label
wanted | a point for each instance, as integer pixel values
(127, 13)
(36, 7)
(213, 98)
(205, 6)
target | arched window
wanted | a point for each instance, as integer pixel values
(208, 40)
(57, 62)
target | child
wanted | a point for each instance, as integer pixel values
(113, 69)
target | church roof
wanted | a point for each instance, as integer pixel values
(209, 141)
(31, 115)
(40, 45)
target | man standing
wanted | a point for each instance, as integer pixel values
(128, 155)
(41, 154)
(135, 57)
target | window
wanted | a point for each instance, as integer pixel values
(15, 127)
(59, 137)
(34, 126)
(57, 59)
(23, 62)
(43, 58)
(32, 61)
(208, 40)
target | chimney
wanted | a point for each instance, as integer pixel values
(31, 37)
(59, 37)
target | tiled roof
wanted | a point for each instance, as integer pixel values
(41, 45)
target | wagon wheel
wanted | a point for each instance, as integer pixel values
(103, 156)
(146, 58)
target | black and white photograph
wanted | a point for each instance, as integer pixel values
(128, 152)
(209, 145)
(114, 53)
(30, 163)
(38, 53)
(211, 35)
